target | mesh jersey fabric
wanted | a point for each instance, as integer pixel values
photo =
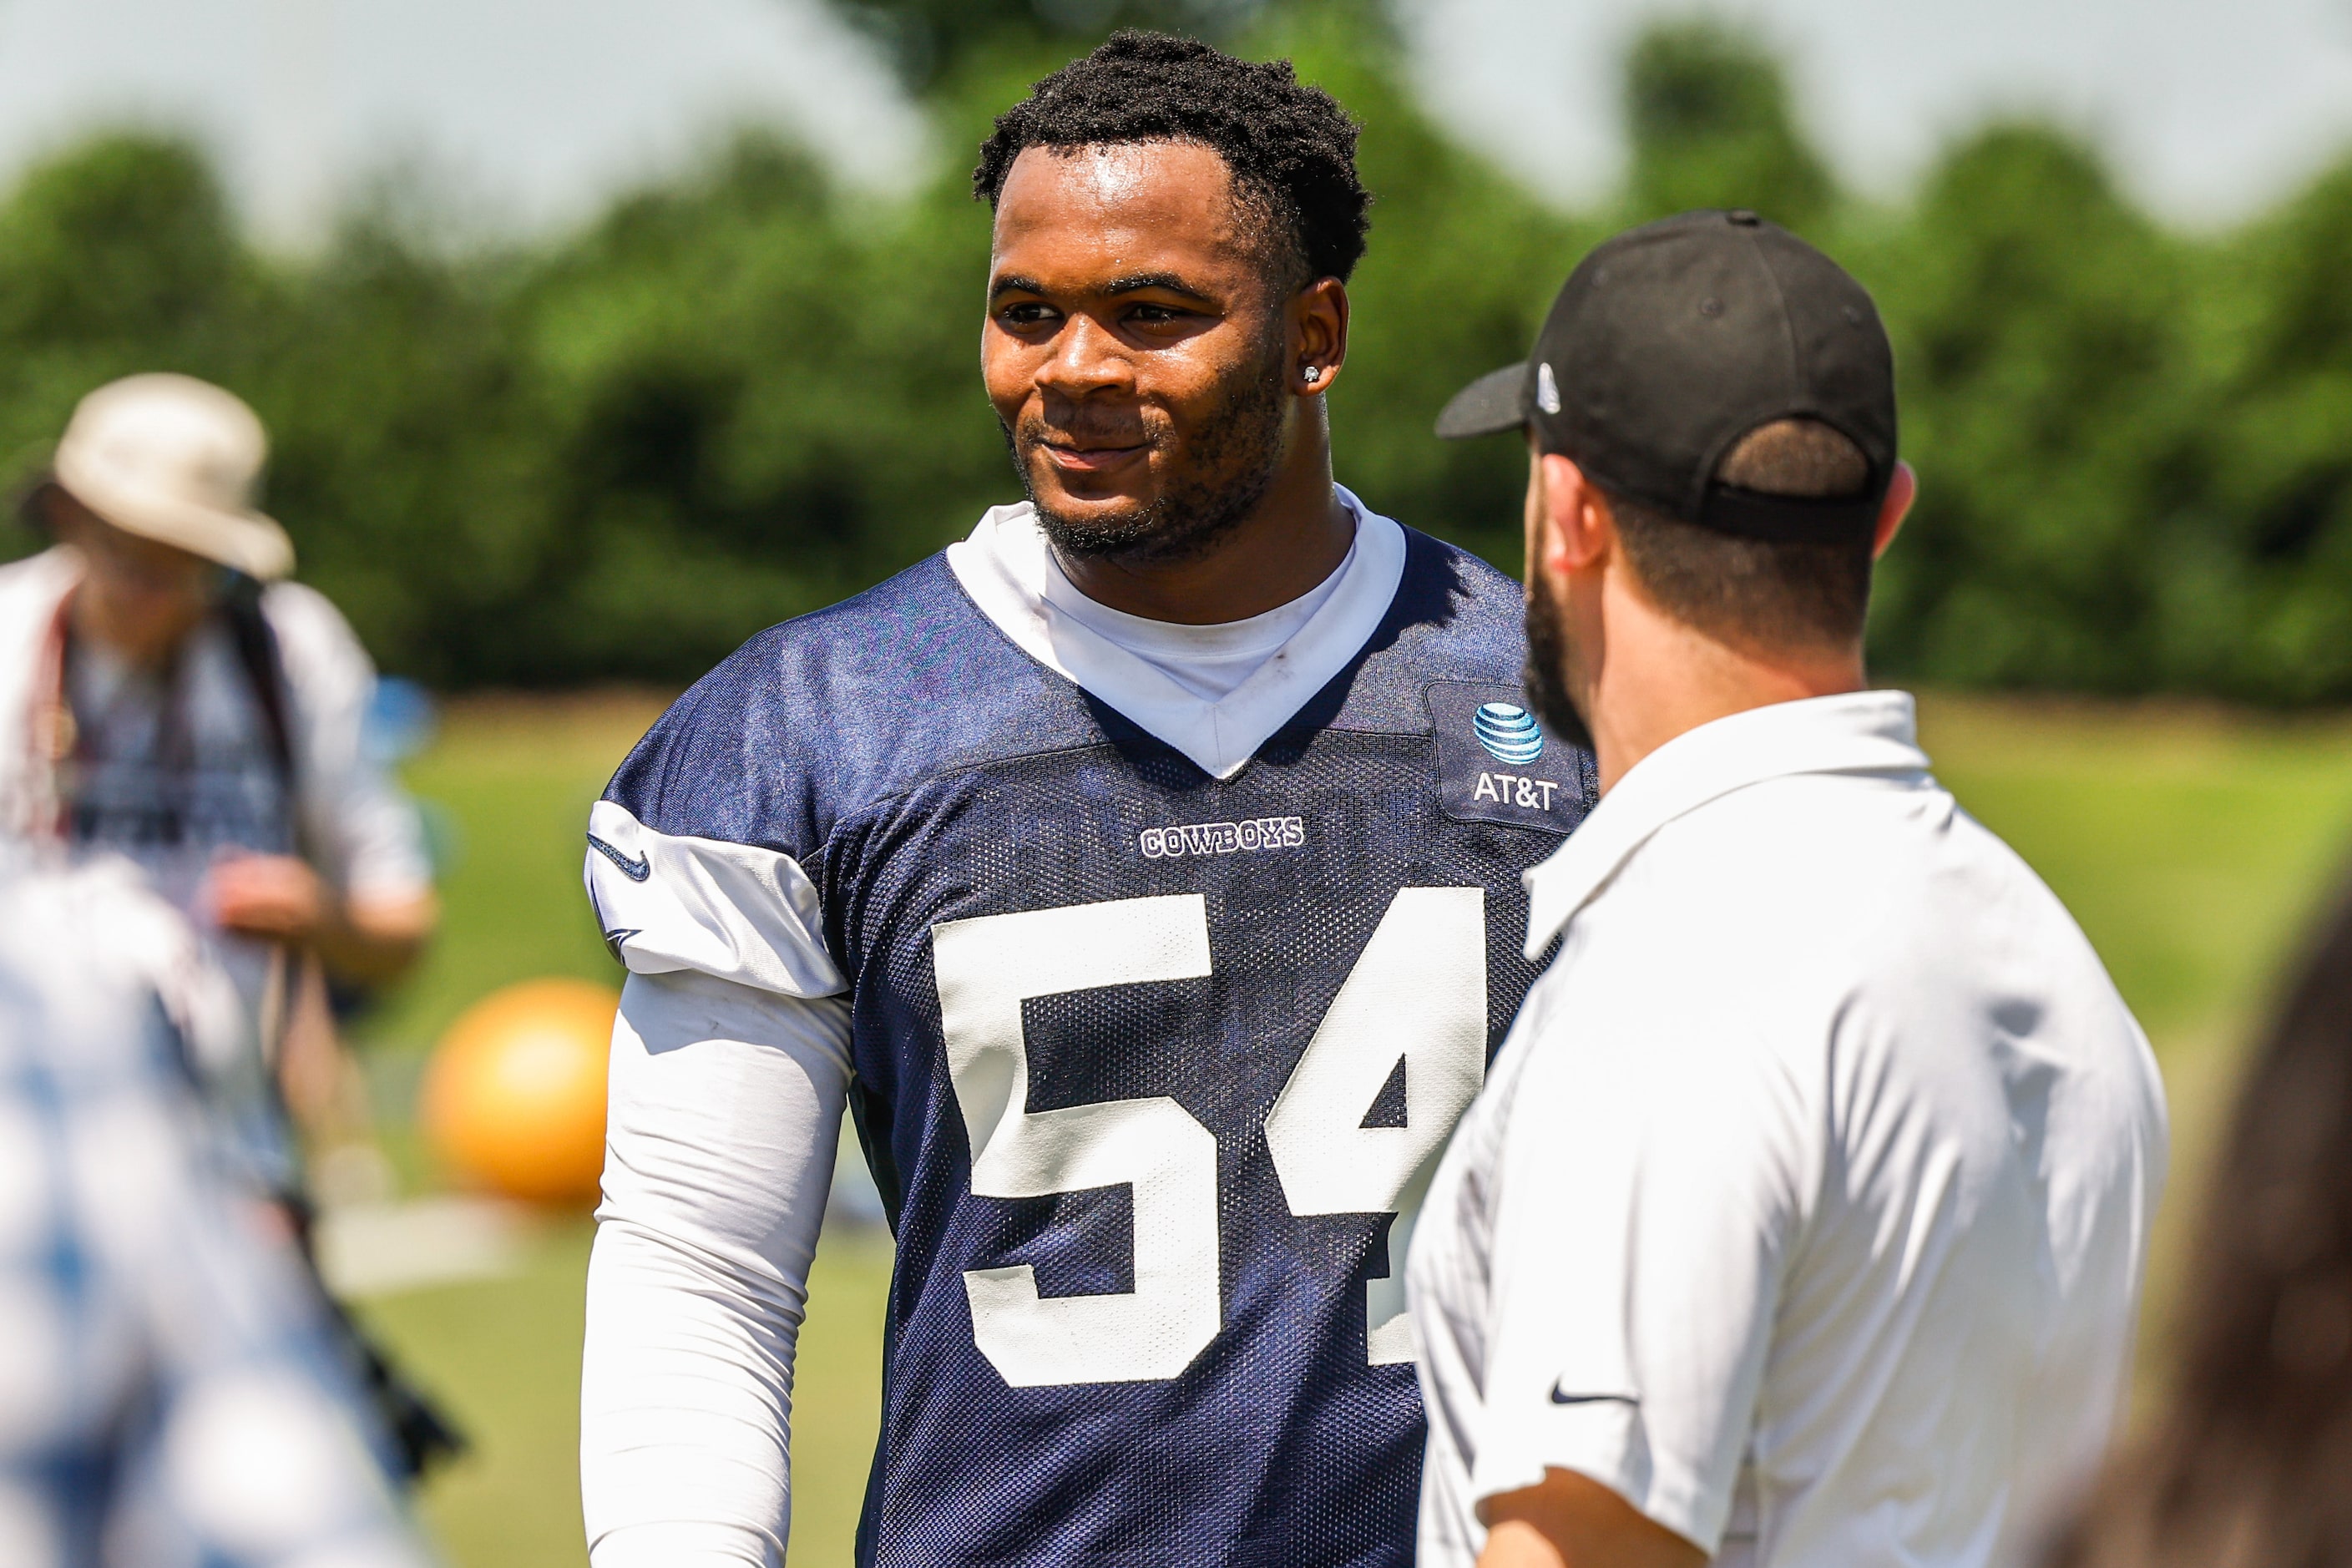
(923, 770)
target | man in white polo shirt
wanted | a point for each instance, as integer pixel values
(1800, 1220)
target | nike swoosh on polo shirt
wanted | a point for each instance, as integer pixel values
(1561, 1395)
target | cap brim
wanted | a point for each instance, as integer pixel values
(1489, 405)
(244, 542)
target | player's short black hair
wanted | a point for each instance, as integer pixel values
(1291, 147)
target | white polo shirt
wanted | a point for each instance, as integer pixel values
(1806, 1205)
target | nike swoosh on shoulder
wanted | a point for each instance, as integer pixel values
(635, 870)
(1561, 1397)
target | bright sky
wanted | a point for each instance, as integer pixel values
(537, 108)
(2208, 108)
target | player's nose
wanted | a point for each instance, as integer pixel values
(1085, 360)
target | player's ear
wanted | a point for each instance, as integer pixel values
(1569, 524)
(1318, 329)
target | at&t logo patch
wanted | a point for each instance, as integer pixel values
(1541, 782)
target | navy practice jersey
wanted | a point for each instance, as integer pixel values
(1150, 1067)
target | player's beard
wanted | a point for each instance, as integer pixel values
(1229, 464)
(1550, 656)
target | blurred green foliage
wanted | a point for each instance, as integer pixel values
(1707, 116)
(746, 392)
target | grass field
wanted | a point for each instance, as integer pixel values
(2191, 844)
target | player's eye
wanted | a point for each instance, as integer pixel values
(1156, 315)
(1026, 314)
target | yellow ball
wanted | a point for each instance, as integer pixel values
(514, 1097)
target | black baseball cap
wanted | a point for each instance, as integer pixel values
(1670, 341)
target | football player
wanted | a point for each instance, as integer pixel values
(1142, 872)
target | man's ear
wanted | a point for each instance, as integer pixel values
(1318, 336)
(1575, 529)
(1900, 493)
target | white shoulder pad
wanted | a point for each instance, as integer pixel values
(730, 910)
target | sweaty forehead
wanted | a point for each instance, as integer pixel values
(1124, 207)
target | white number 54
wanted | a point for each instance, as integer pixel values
(1417, 996)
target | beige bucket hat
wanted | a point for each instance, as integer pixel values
(175, 460)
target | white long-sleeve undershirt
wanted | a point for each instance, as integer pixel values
(726, 1098)
(725, 1106)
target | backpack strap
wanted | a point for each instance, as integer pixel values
(258, 654)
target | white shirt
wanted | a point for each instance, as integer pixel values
(362, 836)
(730, 1059)
(1208, 662)
(1806, 1202)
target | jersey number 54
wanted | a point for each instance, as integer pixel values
(1416, 995)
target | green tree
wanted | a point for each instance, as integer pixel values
(2271, 607)
(2040, 333)
(1460, 267)
(762, 398)
(409, 455)
(118, 256)
(1707, 112)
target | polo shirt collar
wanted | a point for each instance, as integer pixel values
(1856, 732)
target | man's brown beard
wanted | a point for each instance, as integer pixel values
(1547, 673)
(1234, 455)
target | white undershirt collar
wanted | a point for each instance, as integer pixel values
(1166, 677)
(1208, 661)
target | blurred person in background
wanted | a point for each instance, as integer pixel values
(172, 1394)
(166, 697)
(2247, 1462)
